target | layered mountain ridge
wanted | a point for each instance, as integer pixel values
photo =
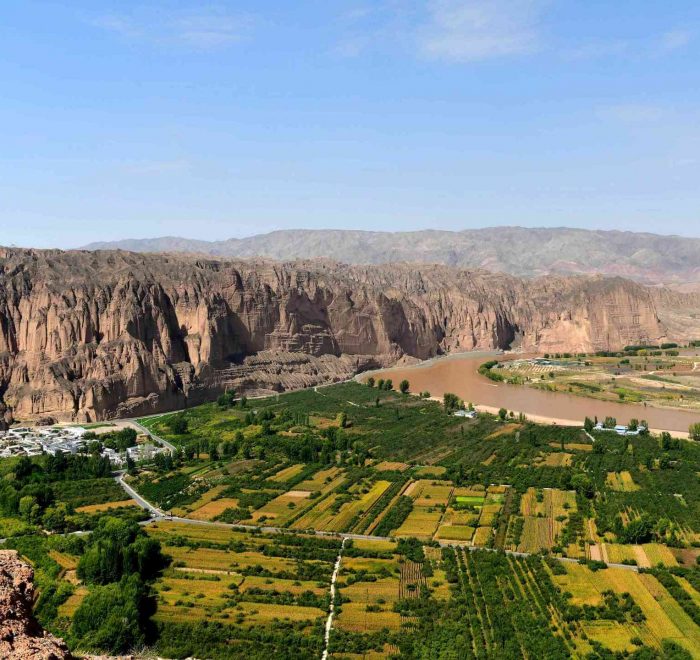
(96, 335)
(520, 251)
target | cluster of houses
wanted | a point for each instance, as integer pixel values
(25, 441)
(620, 429)
(469, 414)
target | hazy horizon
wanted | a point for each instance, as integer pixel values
(147, 237)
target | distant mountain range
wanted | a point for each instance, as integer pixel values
(647, 258)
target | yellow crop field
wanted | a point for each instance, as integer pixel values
(282, 507)
(213, 591)
(617, 553)
(471, 491)
(321, 517)
(455, 533)
(370, 592)
(163, 530)
(210, 510)
(374, 546)
(430, 470)
(659, 554)
(369, 564)
(267, 612)
(106, 506)
(386, 466)
(665, 619)
(439, 585)
(621, 481)
(202, 558)
(482, 536)
(295, 587)
(529, 506)
(207, 497)
(288, 473)
(573, 446)
(354, 617)
(559, 502)
(68, 608)
(430, 493)
(504, 430)
(69, 562)
(456, 517)
(251, 613)
(421, 523)
(489, 513)
(222, 560)
(613, 635)
(557, 459)
(315, 517)
(322, 479)
(537, 534)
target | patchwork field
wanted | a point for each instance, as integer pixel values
(621, 481)
(243, 581)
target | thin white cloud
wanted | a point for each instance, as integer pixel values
(632, 113)
(675, 40)
(597, 50)
(644, 47)
(203, 29)
(470, 30)
(156, 167)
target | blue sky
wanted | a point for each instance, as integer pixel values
(135, 119)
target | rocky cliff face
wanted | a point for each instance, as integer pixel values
(21, 637)
(87, 336)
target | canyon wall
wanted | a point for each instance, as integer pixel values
(94, 335)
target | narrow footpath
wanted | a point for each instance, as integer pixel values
(331, 609)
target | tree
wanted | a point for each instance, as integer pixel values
(450, 401)
(588, 424)
(114, 617)
(54, 518)
(582, 484)
(695, 431)
(634, 424)
(178, 424)
(370, 381)
(342, 419)
(117, 548)
(610, 423)
(404, 386)
(502, 414)
(388, 384)
(24, 468)
(28, 508)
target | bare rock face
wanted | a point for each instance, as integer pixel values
(87, 336)
(21, 637)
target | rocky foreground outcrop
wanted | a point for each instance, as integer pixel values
(21, 637)
(94, 335)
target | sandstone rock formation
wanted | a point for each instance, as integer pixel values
(87, 336)
(21, 637)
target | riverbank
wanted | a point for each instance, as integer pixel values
(458, 373)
